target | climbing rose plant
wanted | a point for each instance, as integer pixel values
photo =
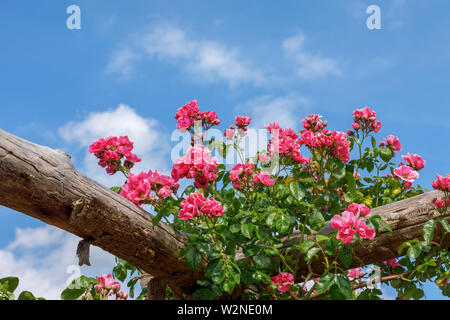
(237, 216)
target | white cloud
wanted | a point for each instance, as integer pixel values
(309, 66)
(286, 110)
(44, 260)
(203, 60)
(150, 144)
(122, 61)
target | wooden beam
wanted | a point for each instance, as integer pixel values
(43, 183)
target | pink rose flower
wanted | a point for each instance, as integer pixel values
(439, 203)
(365, 119)
(406, 173)
(393, 142)
(243, 121)
(191, 206)
(441, 183)
(348, 225)
(360, 209)
(414, 161)
(283, 281)
(110, 152)
(229, 133)
(212, 207)
(392, 263)
(264, 178)
(355, 273)
(106, 285)
(196, 164)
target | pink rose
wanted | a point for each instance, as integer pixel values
(393, 142)
(264, 178)
(406, 173)
(243, 121)
(283, 281)
(355, 273)
(414, 161)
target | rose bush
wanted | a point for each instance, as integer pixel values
(237, 215)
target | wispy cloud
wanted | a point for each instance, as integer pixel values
(149, 141)
(203, 60)
(308, 65)
(44, 259)
(123, 61)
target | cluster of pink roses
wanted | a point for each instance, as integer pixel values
(442, 183)
(334, 143)
(188, 114)
(283, 281)
(139, 187)
(242, 122)
(284, 143)
(198, 164)
(195, 204)
(366, 120)
(391, 142)
(243, 176)
(111, 151)
(349, 223)
(315, 136)
(409, 172)
(107, 286)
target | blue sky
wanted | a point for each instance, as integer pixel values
(131, 65)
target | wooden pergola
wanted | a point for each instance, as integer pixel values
(42, 183)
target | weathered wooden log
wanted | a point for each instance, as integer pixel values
(42, 183)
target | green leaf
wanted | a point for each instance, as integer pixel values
(228, 286)
(444, 224)
(331, 246)
(338, 173)
(247, 230)
(72, 294)
(325, 282)
(193, 257)
(428, 231)
(116, 189)
(374, 143)
(120, 272)
(345, 255)
(370, 294)
(385, 154)
(351, 182)
(11, 282)
(26, 295)
(414, 252)
(282, 223)
(235, 272)
(262, 261)
(312, 253)
(344, 286)
(322, 238)
(297, 190)
(218, 273)
(316, 221)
